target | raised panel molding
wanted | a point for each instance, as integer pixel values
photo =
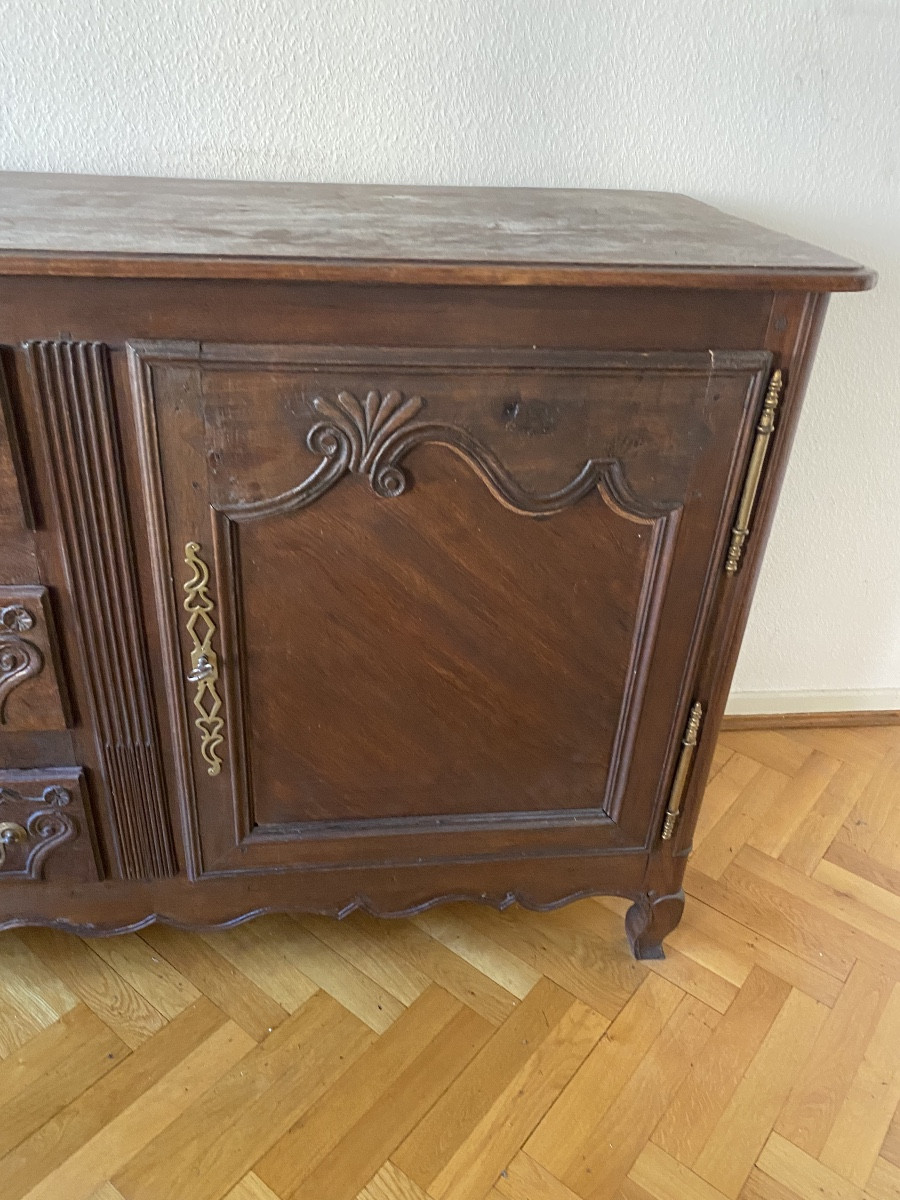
(74, 385)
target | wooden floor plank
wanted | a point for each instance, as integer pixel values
(466, 1054)
(687, 971)
(157, 1108)
(233, 991)
(718, 1070)
(871, 1100)
(337, 975)
(865, 825)
(74, 1053)
(858, 863)
(851, 914)
(593, 1089)
(519, 1106)
(813, 835)
(32, 995)
(807, 1178)
(454, 974)
(132, 1017)
(371, 952)
(486, 955)
(770, 748)
(220, 1137)
(604, 1162)
(817, 1095)
(156, 979)
(251, 1187)
(884, 1182)
(266, 960)
(101, 1103)
(525, 1179)
(722, 791)
(344, 1170)
(391, 1184)
(773, 834)
(453, 1118)
(664, 1177)
(578, 949)
(755, 805)
(741, 1131)
(779, 916)
(330, 1123)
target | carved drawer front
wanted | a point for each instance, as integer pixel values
(30, 696)
(45, 829)
(433, 605)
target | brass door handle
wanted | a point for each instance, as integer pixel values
(10, 834)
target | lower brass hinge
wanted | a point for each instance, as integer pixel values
(764, 430)
(679, 783)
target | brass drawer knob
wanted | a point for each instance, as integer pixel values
(10, 834)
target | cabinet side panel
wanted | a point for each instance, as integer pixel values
(73, 382)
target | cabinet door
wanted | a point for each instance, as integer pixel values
(432, 605)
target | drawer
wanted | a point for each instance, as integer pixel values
(45, 827)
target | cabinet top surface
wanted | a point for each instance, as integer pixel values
(87, 225)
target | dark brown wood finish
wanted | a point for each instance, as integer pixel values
(384, 534)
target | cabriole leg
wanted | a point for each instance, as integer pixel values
(649, 920)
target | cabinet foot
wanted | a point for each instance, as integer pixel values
(649, 920)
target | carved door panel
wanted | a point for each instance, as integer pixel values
(430, 605)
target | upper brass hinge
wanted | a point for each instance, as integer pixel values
(764, 430)
(682, 771)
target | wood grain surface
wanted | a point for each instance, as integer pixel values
(472, 1055)
(84, 224)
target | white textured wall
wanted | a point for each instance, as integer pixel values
(784, 111)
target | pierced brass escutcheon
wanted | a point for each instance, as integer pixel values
(204, 673)
(10, 835)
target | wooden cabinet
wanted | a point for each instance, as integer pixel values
(379, 546)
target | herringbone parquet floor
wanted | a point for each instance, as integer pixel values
(468, 1054)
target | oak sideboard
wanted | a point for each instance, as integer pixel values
(369, 547)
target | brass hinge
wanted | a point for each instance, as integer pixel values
(679, 783)
(764, 430)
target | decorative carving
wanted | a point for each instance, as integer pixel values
(27, 657)
(16, 617)
(39, 833)
(77, 403)
(19, 660)
(372, 438)
(54, 796)
(204, 662)
(358, 434)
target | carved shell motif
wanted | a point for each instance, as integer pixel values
(358, 435)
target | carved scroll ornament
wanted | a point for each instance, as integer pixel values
(372, 437)
(39, 831)
(20, 659)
